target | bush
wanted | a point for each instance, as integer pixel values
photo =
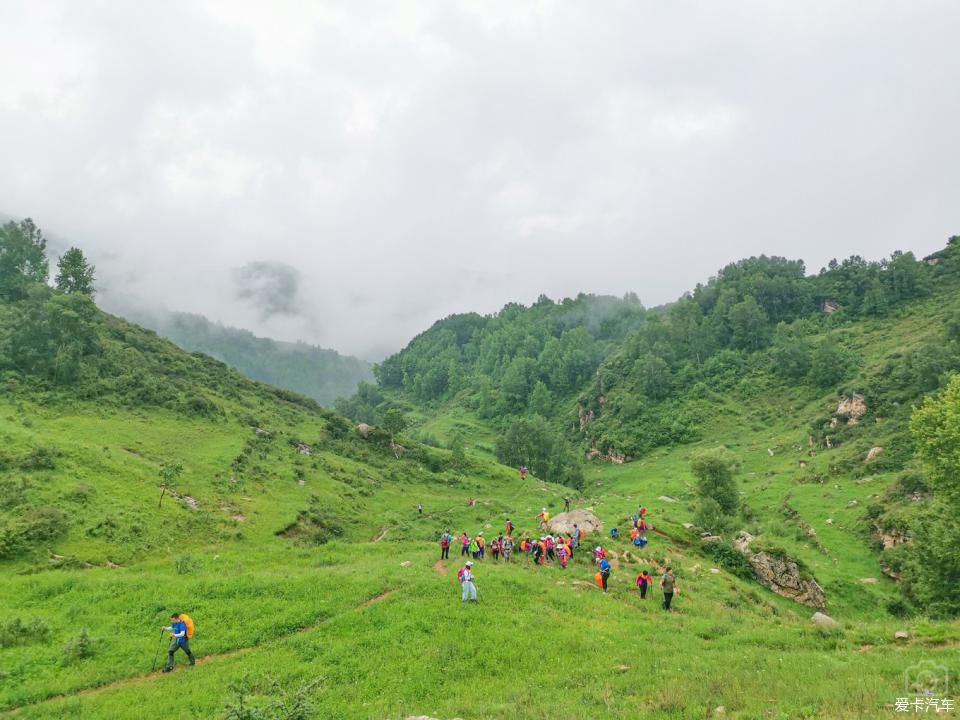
(730, 559)
(711, 517)
(17, 632)
(78, 648)
(40, 458)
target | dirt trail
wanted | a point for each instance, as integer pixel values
(203, 660)
(440, 567)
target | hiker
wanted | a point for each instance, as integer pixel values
(643, 582)
(419, 508)
(179, 640)
(523, 472)
(471, 502)
(549, 547)
(509, 527)
(465, 577)
(495, 547)
(480, 546)
(445, 539)
(643, 511)
(598, 555)
(566, 503)
(668, 583)
(544, 518)
(539, 551)
(506, 547)
(464, 545)
(562, 555)
(572, 543)
(605, 572)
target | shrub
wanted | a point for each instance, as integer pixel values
(17, 632)
(43, 457)
(78, 648)
(729, 558)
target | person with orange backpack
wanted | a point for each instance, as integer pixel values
(644, 581)
(181, 632)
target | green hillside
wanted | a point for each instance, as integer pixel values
(318, 373)
(138, 479)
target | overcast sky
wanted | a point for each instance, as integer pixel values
(347, 173)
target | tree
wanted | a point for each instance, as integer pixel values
(541, 402)
(933, 578)
(75, 274)
(830, 363)
(23, 258)
(655, 376)
(394, 422)
(748, 325)
(790, 354)
(714, 472)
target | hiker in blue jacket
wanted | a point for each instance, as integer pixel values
(605, 572)
(178, 641)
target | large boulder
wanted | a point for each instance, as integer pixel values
(782, 575)
(818, 618)
(853, 407)
(584, 519)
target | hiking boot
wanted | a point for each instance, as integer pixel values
(192, 662)
(166, 669)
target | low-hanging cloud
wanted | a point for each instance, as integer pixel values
(414, 159)
(272, 288)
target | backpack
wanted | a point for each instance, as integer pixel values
(444, 542)
(582, 533)
(460, 574)
(188, 621)
(636, 540)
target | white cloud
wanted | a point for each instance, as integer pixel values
(415, 159)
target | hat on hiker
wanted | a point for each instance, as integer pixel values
(599, 549)
(469, 564)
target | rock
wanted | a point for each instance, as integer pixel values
(901, 635)
(830, 307)
(719, 710)
(829, 521)
(811, 532)
(711, 539)
(890, 537)
(363, 429)
(822, 619)
(688, 526)
(852, 503)
(583, 519)
(612, 456)
(869, 581)
(586, 417)
(782, 575)
(406, 563)
(304, 449)
(189, 502)
(666, 498)
(874, 452)
(714, 571)
(301, 482)
(770, 452)
(803, 464)
(742, 543)
(622, 668)
(833, 423)
(487, 526)
(852, 406)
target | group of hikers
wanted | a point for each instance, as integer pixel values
(552, 547)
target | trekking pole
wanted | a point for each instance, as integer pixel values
(156, 656)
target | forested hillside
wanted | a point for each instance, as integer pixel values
(318, 373)
(137, 480)
(607, 381)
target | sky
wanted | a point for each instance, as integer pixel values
(346, 173)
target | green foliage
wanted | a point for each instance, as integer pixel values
(78, 648)
(394, 421)
(713, 470)
(37, 526)
(729, 558)
(16, 632)
(532, 442)
(934, 567)
(23, 260)
(75, 274)
(710, 516)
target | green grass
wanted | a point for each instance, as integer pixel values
(371, 637)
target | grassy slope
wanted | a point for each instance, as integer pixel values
(541, 644)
